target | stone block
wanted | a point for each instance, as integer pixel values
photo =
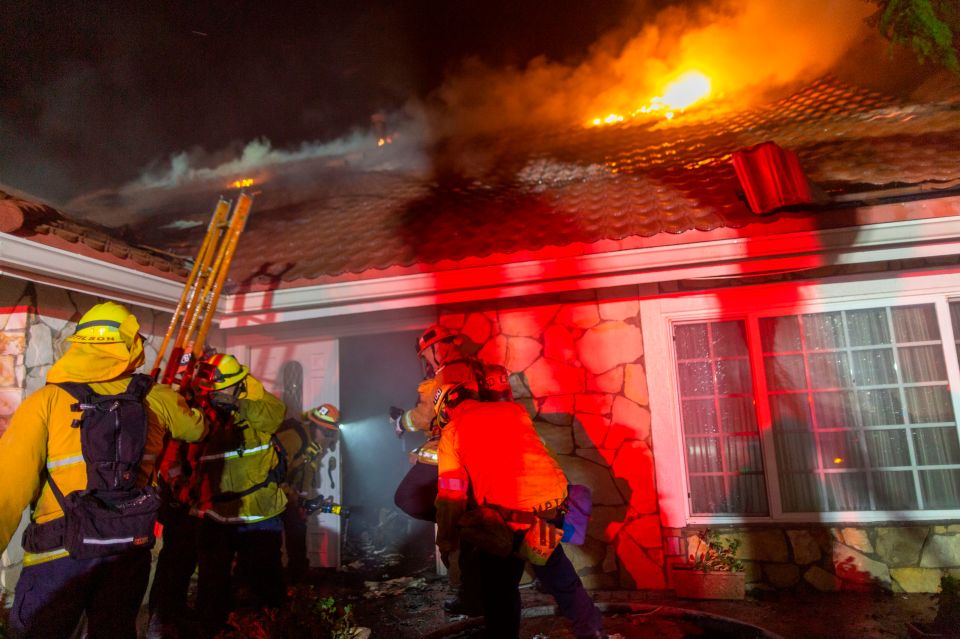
(596, 403)
(590, 431)
(557, 409)
(633, 465)
(8, 371)
(856, 538)
(821, 579)
(900, 546)
(494, 351)
(609, 382)
(526, 322)
(645, 530)
(12, 294)
(36, 378)
(639, 569)
(606, 522)
(477, 328)
(580, 316)
(12, 343)
(596, 476)
(546, 377)
(635, 384)
(805, 548)
(856, 568)
(558, 344)
(602, 456)
(762, 545)
(630, 421)
(619, 309)
(521, 353)
(941, 551)
(608, 345)
(10, 399)
(915, 579)
(558, 439)
(587, 557)
(782, 575)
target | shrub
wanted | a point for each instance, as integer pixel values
(714, 553)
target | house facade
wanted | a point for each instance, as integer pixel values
(789, 379)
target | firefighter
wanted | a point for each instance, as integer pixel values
(40, 445)
(305, 441)
(239, 470)
(521, 492)
(443, 362)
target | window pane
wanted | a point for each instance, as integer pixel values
(823, 331)
(800, 493)
(887, 448)
(929, 405)
(868, 327)
(941, 488)
(725, 469)
(733, 376)
(840, 449)
(936, 446)
(699, 416)
(835, 409)
(847, 491)
(894, 490)
(785, 372)
(955, 322)
(915, 324)
(922, 363)
(696, 378)
(861, 411)
(829, 370)
(729, 339)
(737, 415)
(691, 341)
(874, 367)
(703, 454)
(880, 407)
(779, 334)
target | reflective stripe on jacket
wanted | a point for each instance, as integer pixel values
(40, 436)
(237, 458)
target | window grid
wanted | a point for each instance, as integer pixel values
(857, 426)
(719, 434)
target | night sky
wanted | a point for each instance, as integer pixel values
(93, 93)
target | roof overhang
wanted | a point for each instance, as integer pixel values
(729, 257)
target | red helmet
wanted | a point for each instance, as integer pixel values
(495, 384)
(433, 335)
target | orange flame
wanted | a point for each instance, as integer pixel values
(242, 183)
(689, 88)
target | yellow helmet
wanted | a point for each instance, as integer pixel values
(220, 371)
(101, 324)
(448, 396)
(325, 416)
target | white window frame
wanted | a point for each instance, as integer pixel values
(658, 316)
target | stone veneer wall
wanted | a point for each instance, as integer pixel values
(578, 369)
(895, 557)
(35, 319)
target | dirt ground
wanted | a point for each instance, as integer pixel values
(411, 607)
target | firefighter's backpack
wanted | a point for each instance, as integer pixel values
(112, 515)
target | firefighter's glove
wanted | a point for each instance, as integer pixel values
(396, 419)
(313, 451)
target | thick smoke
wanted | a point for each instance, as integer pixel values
(747, 48)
